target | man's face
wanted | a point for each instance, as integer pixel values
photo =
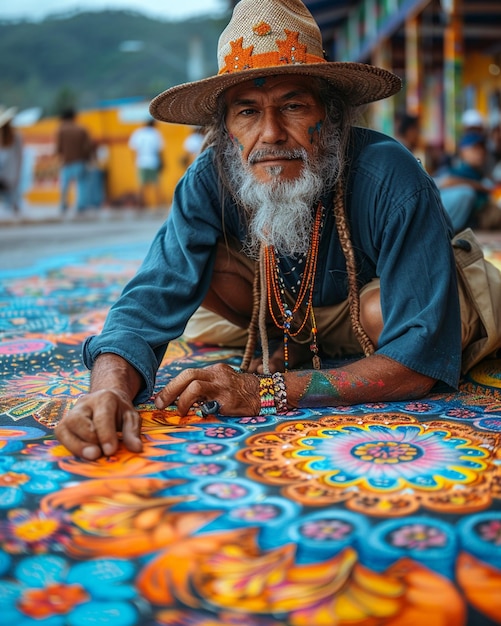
(272, 121)
(474, 155)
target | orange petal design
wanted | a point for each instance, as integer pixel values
(481, 584)
(290, 50)
(240, 58)
(123, 463)
(261, 29)
(175, 567)
(76, 495)
(430, 599)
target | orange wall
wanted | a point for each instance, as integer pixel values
(106, 127)
(477, 74)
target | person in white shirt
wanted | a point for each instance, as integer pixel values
(148, 144)
(193, 145)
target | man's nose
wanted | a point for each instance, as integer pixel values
(272, 127)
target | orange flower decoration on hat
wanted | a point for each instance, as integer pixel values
(289, 52)
(261, 29)
(266, 38)
(240, 58)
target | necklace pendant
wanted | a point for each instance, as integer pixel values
(288, 317)
(317, 363)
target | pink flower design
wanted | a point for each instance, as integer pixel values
(461, 413)
(206, 469)
(226, 491)
(491, 532)
(204, 449)
(326, 529)
(256, 512)
(417, 407)
(221, 432)
(418, 537)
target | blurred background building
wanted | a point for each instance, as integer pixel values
(447, 52)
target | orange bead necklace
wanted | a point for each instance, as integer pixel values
(276, 292)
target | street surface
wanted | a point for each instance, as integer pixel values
(26, 243)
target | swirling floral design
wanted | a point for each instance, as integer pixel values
(35, 532)
(19, 478)
(52, 384)
(379, 513)
(85, 591)
(355, 462)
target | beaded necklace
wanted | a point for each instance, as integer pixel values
(276, 292)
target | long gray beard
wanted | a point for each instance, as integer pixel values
(280, 213)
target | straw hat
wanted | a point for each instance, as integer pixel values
(6, 114)
(265, 38)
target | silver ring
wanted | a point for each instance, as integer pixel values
(211, 407)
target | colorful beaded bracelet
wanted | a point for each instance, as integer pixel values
(266, 394)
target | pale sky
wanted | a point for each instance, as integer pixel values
(165, 9)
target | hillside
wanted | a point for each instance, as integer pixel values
(94, 56)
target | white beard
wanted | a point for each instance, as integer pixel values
(280, 212)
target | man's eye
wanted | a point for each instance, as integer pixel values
(246, 112)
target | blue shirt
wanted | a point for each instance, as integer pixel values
(464, 170)
(400, 234)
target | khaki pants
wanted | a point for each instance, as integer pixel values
(480, 302)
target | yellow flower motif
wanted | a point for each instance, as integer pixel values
(32, 529)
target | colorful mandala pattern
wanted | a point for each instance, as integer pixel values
(384, 514)
(383, 469)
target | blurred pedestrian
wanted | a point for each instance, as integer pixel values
(494, 149)
(465, 188)
(148, 144)
(192, 145)
(74, 148)
(408, 131)
(441, 161)
(97, 173)
(472, 121)
(11, 157)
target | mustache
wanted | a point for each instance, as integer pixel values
(266, 154)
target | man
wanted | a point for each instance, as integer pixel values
(408, 131)
(11, 161)
(74, 148)
(192, 146)
(464, 187)
(148, 144)
(322, 239)
(472, 121)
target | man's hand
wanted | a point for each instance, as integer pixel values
(237, 394)
(89, 430)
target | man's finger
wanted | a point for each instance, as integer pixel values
(106, 428)
(77, 446)
(175, 388)
(131, 431)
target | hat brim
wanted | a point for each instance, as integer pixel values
(195, 103)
